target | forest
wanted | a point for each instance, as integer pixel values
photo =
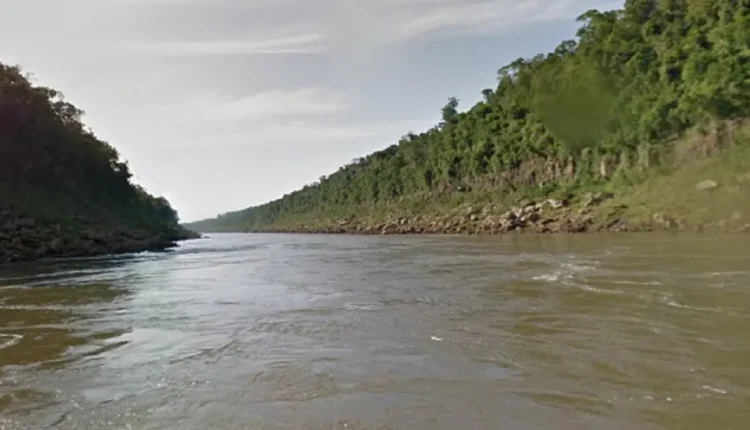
(45, 148)
(63, 190)
(629, 81)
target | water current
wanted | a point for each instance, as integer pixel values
(241, 331)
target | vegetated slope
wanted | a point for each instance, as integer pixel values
(597, 109)
(63, 191)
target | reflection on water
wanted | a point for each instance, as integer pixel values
(320, 332)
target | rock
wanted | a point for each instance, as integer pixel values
(533, 217)
(557, 204)
(665, 222)
(611, 224)
(589, 200)
(708, 184)
(26, 222)
(576, 226)
(744, 229)
(56, 245)
(592, 199)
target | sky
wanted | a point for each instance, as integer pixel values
(219, 105)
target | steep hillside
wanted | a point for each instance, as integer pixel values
(63, 191)
(626, 98)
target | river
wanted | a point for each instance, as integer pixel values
(638, 331)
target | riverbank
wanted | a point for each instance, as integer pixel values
(593, 212)
(26, 238)
(39, 224)
(710, 193)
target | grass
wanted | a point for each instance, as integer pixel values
(673, 193)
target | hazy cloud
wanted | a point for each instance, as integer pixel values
(297, 44)
(273, 103)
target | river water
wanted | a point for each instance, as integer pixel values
(639, 331)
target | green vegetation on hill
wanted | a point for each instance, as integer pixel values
(597, 110)
(63, 191)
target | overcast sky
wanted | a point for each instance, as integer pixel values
(223, 104)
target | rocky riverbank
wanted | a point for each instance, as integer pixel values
(24, 238)
(543, 216)
(590, 212)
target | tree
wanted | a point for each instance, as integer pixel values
(450, 110)
(487, 95)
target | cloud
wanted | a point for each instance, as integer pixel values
(289, 134)
(310, 43)
(200, 27)
(463, 16)
(206, 108)
(297, 132)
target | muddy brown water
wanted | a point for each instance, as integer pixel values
(639, 331)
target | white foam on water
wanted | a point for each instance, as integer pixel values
(565, 271)
(7, 340)
(591, 289)
(628, 282)
(361, 307)
(714, 389)
(552, 277)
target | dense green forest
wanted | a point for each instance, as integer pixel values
(629, 81)
(53, 169)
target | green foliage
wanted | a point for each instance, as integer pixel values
(631, 77)
(45, 149)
